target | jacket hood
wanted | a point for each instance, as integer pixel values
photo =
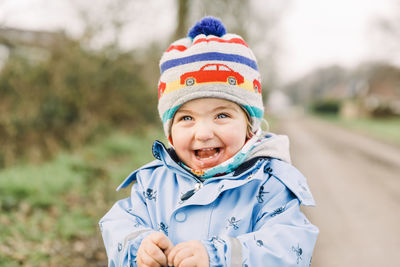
(272, 146)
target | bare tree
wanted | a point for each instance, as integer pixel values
(109, 19)
(181, 18)
(233, 13)
(385, 32)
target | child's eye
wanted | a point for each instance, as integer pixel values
(185, 118)
(222, 116)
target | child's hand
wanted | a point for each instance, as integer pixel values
(153, 250)
(188, 254)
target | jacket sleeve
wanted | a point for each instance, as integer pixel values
(281, 236)
(124, 227)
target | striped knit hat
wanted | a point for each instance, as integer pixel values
(209, 63)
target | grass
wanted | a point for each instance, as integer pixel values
(49, 212)
(385, 129)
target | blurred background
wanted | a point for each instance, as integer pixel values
(78, 113)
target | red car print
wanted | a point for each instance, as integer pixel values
(212, 73)
(257, 86)
(161, 88)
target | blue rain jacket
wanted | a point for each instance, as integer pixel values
(251, 218)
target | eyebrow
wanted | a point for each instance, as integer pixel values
(225, 107)
(222, 107)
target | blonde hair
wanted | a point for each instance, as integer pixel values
(249, 132)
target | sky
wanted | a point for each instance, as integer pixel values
(324, 32)
(313, 33)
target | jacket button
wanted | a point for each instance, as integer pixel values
(180, 216)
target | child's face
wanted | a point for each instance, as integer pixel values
(207, 131)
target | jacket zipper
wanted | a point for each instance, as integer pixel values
(190, 193)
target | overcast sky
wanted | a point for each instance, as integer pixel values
(314, 32)
(322, 32)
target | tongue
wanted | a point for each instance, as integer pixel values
(206, 153)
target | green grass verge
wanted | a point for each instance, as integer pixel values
(385, 129)
(49, 212)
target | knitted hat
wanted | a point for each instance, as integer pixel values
(209, 63)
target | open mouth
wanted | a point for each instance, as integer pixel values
(206, 153)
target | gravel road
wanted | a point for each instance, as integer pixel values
(355, 181)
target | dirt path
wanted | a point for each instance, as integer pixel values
(356, 183)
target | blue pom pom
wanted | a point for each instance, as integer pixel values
(208, 26)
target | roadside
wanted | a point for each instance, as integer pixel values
(384, 129)
(356, 184)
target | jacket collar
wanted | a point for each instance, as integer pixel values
(168, 158)
(281, 170)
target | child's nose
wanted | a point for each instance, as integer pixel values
(204, 131)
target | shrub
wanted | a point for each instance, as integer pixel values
(328, 106)
(68, 97)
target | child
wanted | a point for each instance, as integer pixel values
(225, 193)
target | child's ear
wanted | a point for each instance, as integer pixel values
(170, 141)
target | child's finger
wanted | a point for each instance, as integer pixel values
(162, 241)
(181, 255)
(171, 255)
(150, 254)
(174, 251)
(145, 260)
(188, 262)
(156, 254)
(191, 252)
